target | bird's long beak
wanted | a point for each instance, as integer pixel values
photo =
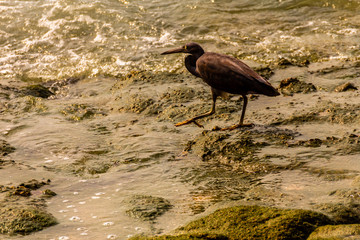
(175, 50)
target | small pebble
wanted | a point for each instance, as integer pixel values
(108, 223)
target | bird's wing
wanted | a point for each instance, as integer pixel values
(231, 75)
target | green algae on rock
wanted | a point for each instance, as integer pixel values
(336, 232)
(251, 222)
(23, 219)
(147, 208)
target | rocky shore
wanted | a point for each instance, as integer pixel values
(293, 175)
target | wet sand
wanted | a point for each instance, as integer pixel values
(102, 141)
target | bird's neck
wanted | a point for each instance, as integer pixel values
(190, 64)
(198, 54)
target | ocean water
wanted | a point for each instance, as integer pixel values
(102, 139)
(55, 39)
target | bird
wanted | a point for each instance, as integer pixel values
(224, 74)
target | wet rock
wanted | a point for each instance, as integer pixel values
(237, 150)
(194, 236)
(345, 87)
(179, 95)
(341, 213)
(18, 219)
(20, 191)
(34, 184)
(326, 111)
(37, 90)
(313, 142)
(48, 193)
(336, 232)
(21, 105)
(252, 222)
(5, 148)
(283, 62)
(24, 189)
(90, 164)
(352, 195)
(290, 86)
(137, 103)
(79, 112)
(147, 208)
(265, 72)
(209, 145)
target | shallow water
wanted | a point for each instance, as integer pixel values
(103, 138)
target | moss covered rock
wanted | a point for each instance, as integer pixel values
(24, 219)
(336, 232)
(252, 222)
(147, 207)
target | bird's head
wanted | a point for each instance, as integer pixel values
(191, 48)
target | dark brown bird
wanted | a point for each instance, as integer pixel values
(224, 74)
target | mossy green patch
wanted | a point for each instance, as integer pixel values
(336, 232)
(23, 220)
(252, 222)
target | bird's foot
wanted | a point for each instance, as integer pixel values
(216, 128)
(188, 122)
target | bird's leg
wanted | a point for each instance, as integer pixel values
(241, 124)
(193, 120)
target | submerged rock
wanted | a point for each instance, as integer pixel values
(16, 219)
(147, 208)
(290, 86)
(326, 111)
(336, 232)
(37, 90)
(5, 148)
(79, 112)
(341, 213)
(251, 222)
(239, 149)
